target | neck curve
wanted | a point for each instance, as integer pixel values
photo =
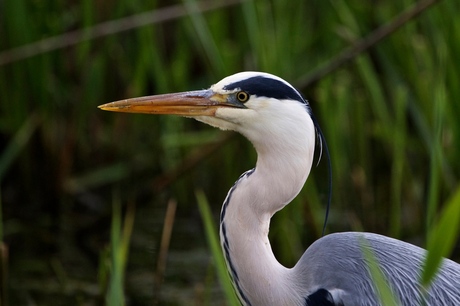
(282, 168)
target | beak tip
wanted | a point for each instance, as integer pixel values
(108, 107)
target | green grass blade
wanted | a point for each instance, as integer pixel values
(384, 292)
(436, 149)
(207, 41)
(120, 240)
(98, 177)
(442, 238)
(399, 160)
(213, 241)
(115, 292)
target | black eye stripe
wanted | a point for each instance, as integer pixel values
(266, 87)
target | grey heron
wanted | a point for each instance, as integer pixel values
(278, 121)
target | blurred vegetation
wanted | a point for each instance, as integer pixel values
(69, 171)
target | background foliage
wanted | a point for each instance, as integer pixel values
(84, 193)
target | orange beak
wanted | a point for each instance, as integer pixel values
(190, 103)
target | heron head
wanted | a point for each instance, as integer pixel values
(246, 102)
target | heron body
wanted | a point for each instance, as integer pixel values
(333, 271)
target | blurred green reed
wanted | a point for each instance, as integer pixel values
(214, 244)
(120, 237)
(385, 294)
(390, 117)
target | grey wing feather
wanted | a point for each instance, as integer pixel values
(336, 263)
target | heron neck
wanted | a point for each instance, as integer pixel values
(278, 177)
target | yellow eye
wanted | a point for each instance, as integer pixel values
(242, 96)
